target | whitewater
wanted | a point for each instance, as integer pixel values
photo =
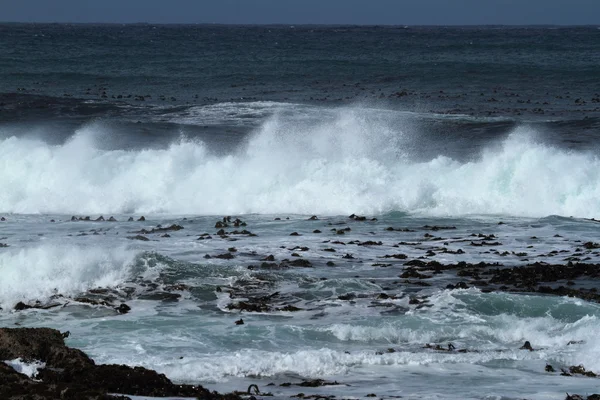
(350, 162)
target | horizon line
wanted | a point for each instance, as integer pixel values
(280, 24)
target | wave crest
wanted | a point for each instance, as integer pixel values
(353, 163)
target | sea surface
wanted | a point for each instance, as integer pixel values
(343, 153)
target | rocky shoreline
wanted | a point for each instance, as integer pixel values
(71, 374)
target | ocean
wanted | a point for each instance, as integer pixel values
(327, 210)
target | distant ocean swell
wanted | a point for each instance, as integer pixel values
(345, 165)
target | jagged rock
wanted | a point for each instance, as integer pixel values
(138, 237)
(123, 309)
(526, 346)
(160, 229)
(71, 374)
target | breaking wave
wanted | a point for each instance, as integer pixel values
(38, 273)
(347, 164)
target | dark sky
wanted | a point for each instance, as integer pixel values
(397, 12)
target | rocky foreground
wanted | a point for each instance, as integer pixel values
(71, 374)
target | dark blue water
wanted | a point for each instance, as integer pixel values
(472, 70)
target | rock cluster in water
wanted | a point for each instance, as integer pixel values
(71, 374)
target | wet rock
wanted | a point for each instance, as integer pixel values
(142, 218)
(316, 383)
(412, 273)
(123, 309)
(93, 302)
(300, 263)
(249, 306)
(347, 296)
(580, 370)
(526, 346)
(177, 287)
(239, 322)
(438, 228)
(290, 308)
(370, 243)
(71, 374)
(138, 237)
(160, 229)
(130, 219)
(20, 306)
(225, 256)
(396, 256)
(549, 368)
(294, 234)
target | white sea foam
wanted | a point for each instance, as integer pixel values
(30, 369)
(350, 163)
(313, 363)
(37, 273)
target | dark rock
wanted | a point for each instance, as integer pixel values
(239, 322)
(294, 234)
(412, 273)
(396, 256)
(316, 383)
(142, 218)
(300, 263)
(225, 256)
(549, 368)
(290, 308)
(526, 346)
(249, 306)
(20, 306)
(71, 374)
(159, 229)
(138, 237)
(123, 309)
(580, 370)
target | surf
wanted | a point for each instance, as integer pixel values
(353, 162)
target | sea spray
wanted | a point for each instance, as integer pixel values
(37, 273)
(350, 163)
